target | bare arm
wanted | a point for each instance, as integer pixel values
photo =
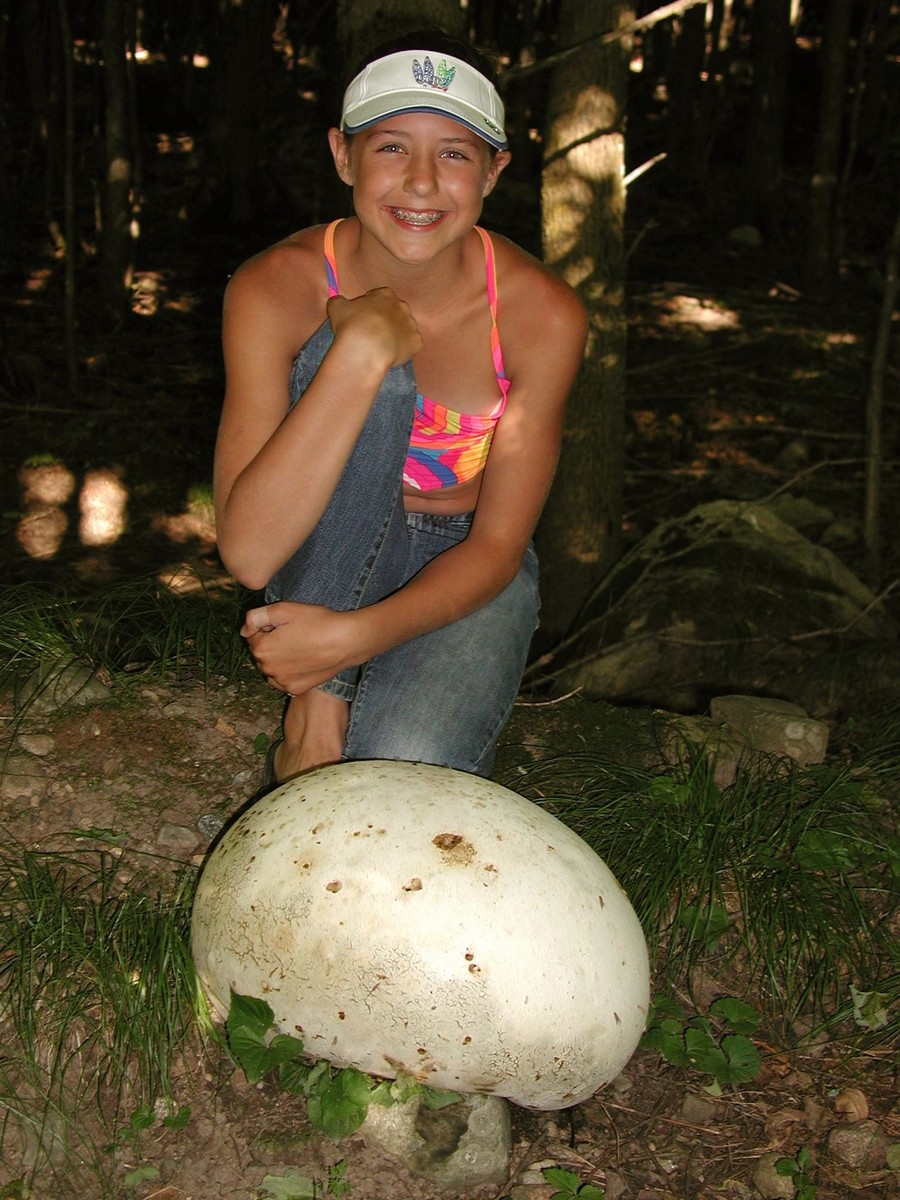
(276, 470)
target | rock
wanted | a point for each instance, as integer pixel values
(411, 918)
(22, 778)
(800, 512)
(56, 685)
(773, 727)
(176, 841)
(723, 601)
(700, 1110)
(861, 1145)
(38, 744)
(459, 1148)
(768, 1182)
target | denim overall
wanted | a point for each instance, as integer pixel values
(440, 698)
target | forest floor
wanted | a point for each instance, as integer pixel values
(739, 385)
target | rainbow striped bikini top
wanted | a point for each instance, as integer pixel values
(446, 447)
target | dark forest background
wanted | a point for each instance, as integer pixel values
(146, 148)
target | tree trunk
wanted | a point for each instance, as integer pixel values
(583, 213)
(821, 236)
(362, 23)
(115, 241)
(685, 84)
(240, 66)
(764, 153)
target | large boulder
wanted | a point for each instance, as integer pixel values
(731, 599)
(401, 917)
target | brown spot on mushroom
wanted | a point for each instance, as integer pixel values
(474, 969)
(466, 1040)
(414, 885)
(618, 1018)
(602, 905)
(455, 850)
(341, 1016)
(334, 886)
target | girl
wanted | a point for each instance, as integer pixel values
(392, 418)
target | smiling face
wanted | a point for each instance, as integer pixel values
(417, 175)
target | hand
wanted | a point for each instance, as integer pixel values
(381, 321)
(298, 646)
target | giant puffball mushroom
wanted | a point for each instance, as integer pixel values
(403, 917)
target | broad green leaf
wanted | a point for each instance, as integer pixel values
(178, 1120)
(587, 1191)
(339, 1106)
(434, 1098)
(290, 1186)
(743, 1059)
(298, 1076)
(743, 1018)
(869, 1008)
(250, 1013)
(567, 1181)
(826, 849)
(135, 1178)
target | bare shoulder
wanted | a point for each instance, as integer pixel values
(288, 277)
(534, 300)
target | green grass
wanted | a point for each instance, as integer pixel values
(791, 877)
(138, 626)
(97, 994)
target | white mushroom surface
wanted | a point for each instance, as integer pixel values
(404, 917)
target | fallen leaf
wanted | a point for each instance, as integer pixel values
(223, 727)
(852, 1105)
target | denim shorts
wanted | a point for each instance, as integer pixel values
(440, 698)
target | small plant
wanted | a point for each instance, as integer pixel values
(799, 1171)
(337, 1100)
(716, 1044)
(294, 1186)
(570, 1186)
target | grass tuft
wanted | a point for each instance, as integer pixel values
(138, 626)
(795, 873)
(97, 992)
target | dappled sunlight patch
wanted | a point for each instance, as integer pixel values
(703, 312)
(41, 530)
(103, 503)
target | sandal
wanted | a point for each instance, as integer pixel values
(270, 779)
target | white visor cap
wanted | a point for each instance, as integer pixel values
(410, 82)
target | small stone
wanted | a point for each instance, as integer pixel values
(57, 685)
(174, 709)
(773, 727)
(700, 1110)
(210, 824)
(22, 778)
(176, 840)
(38, 744)
(861, 1145)
(769, 1184)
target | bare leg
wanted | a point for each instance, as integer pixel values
(314, 728)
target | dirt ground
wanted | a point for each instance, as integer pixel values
(150, 766)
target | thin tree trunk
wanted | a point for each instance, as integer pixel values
(583, 216)
(65, 37)
(115, 242)
(764, 156)
(821, 234)
(874, 406)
